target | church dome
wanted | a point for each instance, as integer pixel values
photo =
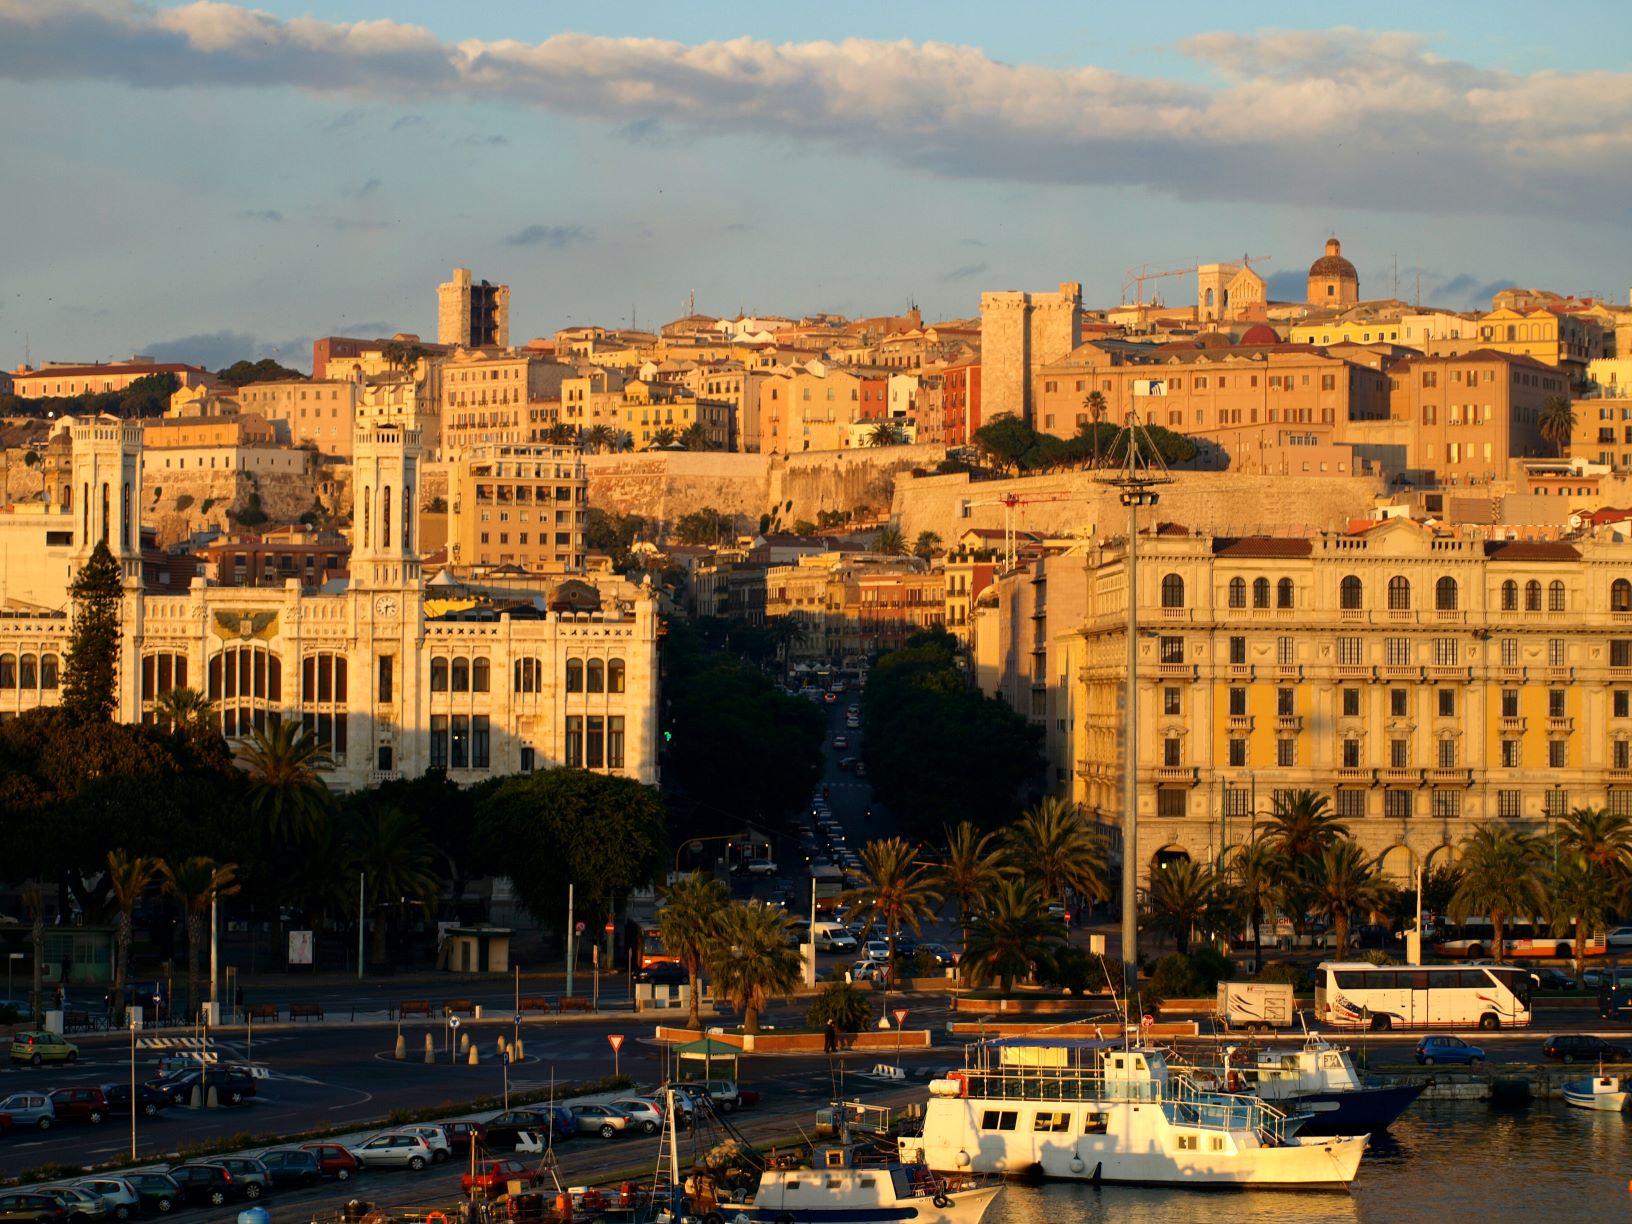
(1260, 333)
(1332, 264)
(1213, 340)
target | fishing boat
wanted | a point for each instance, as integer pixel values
(1109, 1111)
(1319, 1079)
(1603, 1092)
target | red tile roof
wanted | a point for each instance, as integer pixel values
(1262, 546)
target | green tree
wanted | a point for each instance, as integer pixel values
(599, 437)
(695, 437)
(973, 866)
(1180, 893)
(689, 922)
(1584, 897)
(886, 433)
(1556, 421)
(1346, 886)
(402, 355)
(662, 438)
(1594, 848)
(849, 1009)
(926, 546)
(1055, 846)
(184, 709)
(1011, 934)
(89, 687)
(392, 850)
(128, 879)
(706, 526)
(896, 889)
(788, 632)
(196, 883)
(243, 373)
(1257, 871)
(753, 958)
(1499, 879)
(1005, 439)
(1301, 826)
(890, 542)
(285, 764)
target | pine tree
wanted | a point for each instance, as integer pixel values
(89, 692)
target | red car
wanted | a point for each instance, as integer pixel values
(79, 1104)
(332, 1160)
(492, 1176)
(460, 1133)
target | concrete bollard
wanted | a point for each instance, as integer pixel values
(478, 1012)
(430, 1050)
(516, 1052)
(500, 1048)
(473, 1059)
(195, 1099)
(464, 1042)
(211, 1100)
(402, 1047)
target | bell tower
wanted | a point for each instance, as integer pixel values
(105, 491)
(385, 516)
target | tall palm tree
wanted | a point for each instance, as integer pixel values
(183, 708)
(1594, 852)
(886, 433)
(599, 437)
(689, 923)
(195, 883)
(128, 879)
(1586, 898)
(787, 632)
(1556, 422)
(1598, 838)
(975, 864)
(1301, 826)
(662, 437)
(753, 957)
(1257, 870)
(561, 434)
(1346, 885)
(390, 847)
(896, 891)
(1500, 878)
(1011, 933)
(287, 795)
(890, 542)
(926, 545)
(1054, 845)
(1095, 403)
(694, 437)
(1180, 893)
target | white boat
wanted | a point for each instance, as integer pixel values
(849, 1182)
(1606, 1092)
(1103, 1111)
(1319, 1079)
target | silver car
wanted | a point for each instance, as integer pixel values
(435, 1138)
(602, 1120)
(29, 1109)
(392, 1151)
(643, 1114)
(118, 1196)
(82, 1206)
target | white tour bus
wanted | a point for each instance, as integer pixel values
(1354, 994)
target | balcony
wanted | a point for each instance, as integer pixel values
(1185, 671)
(1402, 616)
(1186, 774)
(1400, 776)
(1514, 726)
(1289, 671)
(1560, 675)
(1620, 775)
(1450, 777)
(1450, 616)
(1357, 774)
(1354, 671)
(376, 776)
(1393, 671)
(1239, 722)
(1178, 614)
(1509, 671)
(1560, 726)
(1289, 722)
(1242, 671)
(1352, 614)
(1450, 675)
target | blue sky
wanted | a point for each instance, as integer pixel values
(209, 181)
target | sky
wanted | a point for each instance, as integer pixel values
(213, 181)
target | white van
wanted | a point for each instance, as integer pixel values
(832, 937)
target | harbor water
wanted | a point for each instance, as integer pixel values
(1443, 1163)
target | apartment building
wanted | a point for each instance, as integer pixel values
(809, 409)
(499, 398)
(519, 505)
(317, 413)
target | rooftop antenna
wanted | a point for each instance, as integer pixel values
(1142, 471)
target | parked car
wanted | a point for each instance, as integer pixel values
(332, 1160)
(876, 951)
(434, 1138)
(157, 1191)
(32, 1207)
(665, 973)
(493, 1177)
(721, 1092)
(233, 1085)
(292, 1167)
(761, 867)
(82, 1206)
(79, 1104)
(841, 742)
(461, 1133)
(149, 1100)
(1599, 976)
(1552, 979)
(939, 953)
(831, 937)
(392, 1151)
(1583, 1047)
(642, 1113)
(505, 1131)
(38, 1048)
(251, 1176)
(602, 1120)
(204, 1185)
(119, 1197)
(1443, 1048)
(29, 1109)
(1619, 937)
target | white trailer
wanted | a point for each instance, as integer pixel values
(1255, 1005)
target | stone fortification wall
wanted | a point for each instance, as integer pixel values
(178, 503)
(1226, 503)
(20, 481)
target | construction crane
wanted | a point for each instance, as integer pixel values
(1137, 279)
(1010, 503)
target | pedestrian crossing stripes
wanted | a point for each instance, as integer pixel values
(174, 1043)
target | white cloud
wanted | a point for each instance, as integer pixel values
(1340, 117)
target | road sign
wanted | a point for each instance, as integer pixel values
(1147, 1020)
(453, 1021)
(900, 1015)
(578, 928)
(617, 1041)
(610, 928)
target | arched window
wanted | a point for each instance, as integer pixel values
(1172, 591)
(614, 675)
(1445, 594)
(28, 672)
(595, 677)
(439, 675)
(479, 670)
(160, 674)
(1399, 593)
(1532, 596)
(1620, 595)
(48, 671)
(385, 518)
(1260, 592)
(460, 676)
(323, 701)
(1555, 596)
(1238, 592)
(1510, 596)
(529, 676)
(8, 671)
(246, 684)
(1283, 593)
(1351, 594)
(575, 675)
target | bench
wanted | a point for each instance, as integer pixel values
(414, 1007)
(76, 1021)
(305, 1011)
(533, 1003)
(454, 1007)
(568, 1003)
(261, 1011)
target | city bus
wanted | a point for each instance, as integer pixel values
(651, 949)
(1355, 994)
(1476, 939)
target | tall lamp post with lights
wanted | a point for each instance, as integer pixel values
(1136, 480)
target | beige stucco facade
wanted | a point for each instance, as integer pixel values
(517, 505)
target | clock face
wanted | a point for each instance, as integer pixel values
(385, 605)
